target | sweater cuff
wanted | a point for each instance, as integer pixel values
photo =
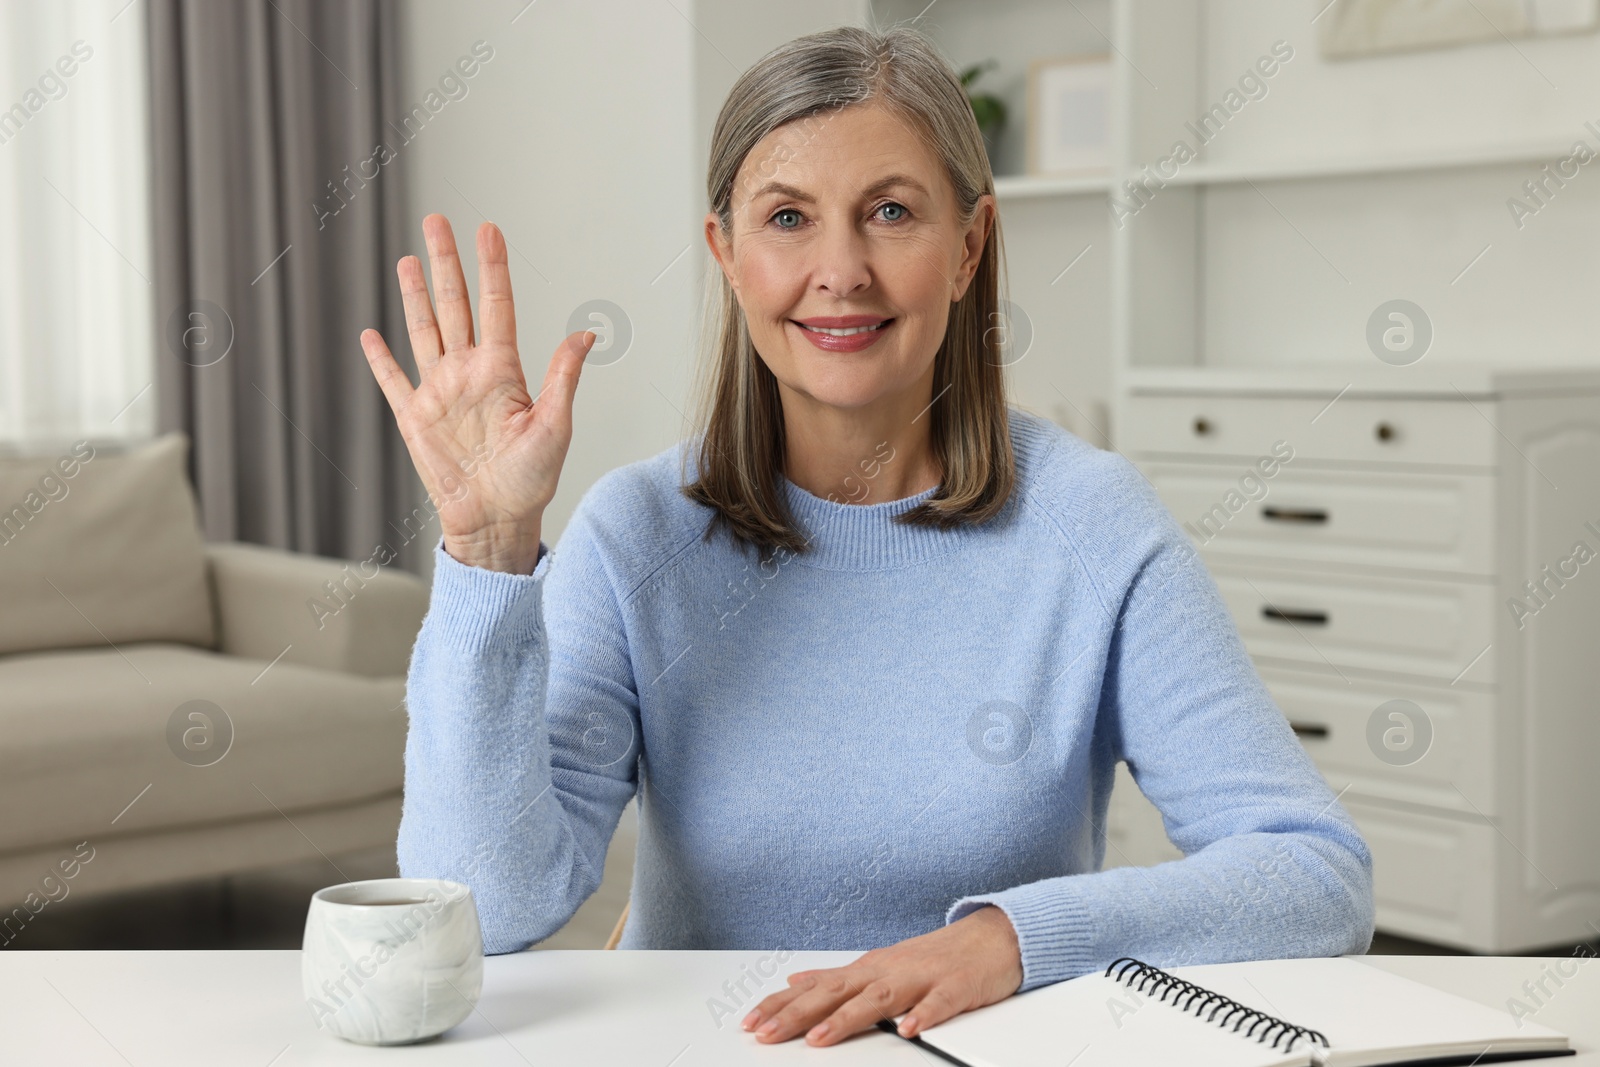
(1052, 925)
(476, 608)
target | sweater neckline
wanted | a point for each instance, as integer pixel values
(865, 536)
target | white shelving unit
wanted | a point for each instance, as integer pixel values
(1357, 166)
(1243, 284)
(1392, 581)
(1344, 185)
(1021, 186)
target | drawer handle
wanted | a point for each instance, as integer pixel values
(1316, 618)
(1384, 432)
(1312, 515)
(1309, 729)
(1202, 426)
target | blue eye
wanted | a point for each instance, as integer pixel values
(900, 212)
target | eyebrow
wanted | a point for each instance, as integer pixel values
(876, 187)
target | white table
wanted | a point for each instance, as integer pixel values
(546, 1009)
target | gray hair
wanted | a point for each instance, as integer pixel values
(820, 73)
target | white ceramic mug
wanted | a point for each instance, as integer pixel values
(392, 960)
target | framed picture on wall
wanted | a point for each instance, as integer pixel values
(1069, 120)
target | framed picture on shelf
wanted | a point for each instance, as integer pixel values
(1069, 119)
(1372, 27)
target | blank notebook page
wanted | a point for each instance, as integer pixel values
(1094, 1021)
(1368, 1016)
(1371, 1016)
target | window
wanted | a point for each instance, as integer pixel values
(77, 331)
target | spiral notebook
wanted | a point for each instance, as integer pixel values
(1271, 1013)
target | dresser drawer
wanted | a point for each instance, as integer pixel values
(1351, 430)
(1437, 754)
(1431, 629)
(1430, 874)
(1382, 518)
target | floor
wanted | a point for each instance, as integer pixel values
(267, 910)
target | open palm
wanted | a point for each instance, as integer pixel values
(488, 453)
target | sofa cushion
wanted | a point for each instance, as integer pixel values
(84, 731)
(101, 548)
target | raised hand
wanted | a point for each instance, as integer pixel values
(488, 453)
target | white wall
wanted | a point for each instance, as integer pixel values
(574, 139)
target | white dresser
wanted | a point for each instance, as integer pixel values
(1376, 577)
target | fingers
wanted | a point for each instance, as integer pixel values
(878, 999)
(835, 1005)
(494, 287)
(561, 379)
(773, 1003)
(391, 379)
(424, 332)
(449, 284)
(935, 1007)
(804, 1004)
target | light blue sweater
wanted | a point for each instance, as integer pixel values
(857, 744)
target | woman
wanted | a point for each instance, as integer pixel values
(868, 648)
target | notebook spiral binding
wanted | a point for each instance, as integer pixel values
(1188, 997)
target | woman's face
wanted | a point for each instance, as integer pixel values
(846, 220)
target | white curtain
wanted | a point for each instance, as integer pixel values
(78, 326)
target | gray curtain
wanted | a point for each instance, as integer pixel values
(278, 221)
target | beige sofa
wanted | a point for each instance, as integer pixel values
(172, 709)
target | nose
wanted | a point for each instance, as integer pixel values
(841, 267)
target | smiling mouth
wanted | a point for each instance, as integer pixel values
(850, 331)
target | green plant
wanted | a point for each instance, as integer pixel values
(988, 109)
